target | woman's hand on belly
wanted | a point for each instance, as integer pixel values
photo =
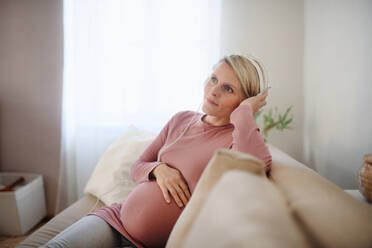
(147, 217)
(171, 180)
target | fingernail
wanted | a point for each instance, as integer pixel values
(168, 201)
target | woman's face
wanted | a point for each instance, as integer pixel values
(222, 92)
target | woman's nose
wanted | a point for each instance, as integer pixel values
(214, 90)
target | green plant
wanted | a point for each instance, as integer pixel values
(274, 120)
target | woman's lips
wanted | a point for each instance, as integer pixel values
(212, 102)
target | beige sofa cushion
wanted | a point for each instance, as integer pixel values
(225, 160)
(282, 157)
(245, 210)
(331, 217)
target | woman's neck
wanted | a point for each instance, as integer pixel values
(216, 121)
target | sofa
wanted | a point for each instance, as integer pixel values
(235, 203)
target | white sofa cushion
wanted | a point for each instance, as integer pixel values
(111, 181)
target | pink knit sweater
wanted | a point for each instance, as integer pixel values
(145, 218)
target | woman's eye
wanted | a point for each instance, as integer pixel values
(213, 79)
(229, 89)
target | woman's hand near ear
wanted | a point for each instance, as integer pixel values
(255, 102)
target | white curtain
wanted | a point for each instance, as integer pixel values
(128, 62)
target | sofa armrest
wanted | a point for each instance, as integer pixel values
(357, 195)
(61, 221)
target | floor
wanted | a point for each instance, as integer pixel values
(13, 241)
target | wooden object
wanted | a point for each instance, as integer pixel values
(10, 187)
(365, 177)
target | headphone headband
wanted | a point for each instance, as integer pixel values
(262, 75)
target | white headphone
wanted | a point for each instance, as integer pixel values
(262, 74)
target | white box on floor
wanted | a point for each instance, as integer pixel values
(23, 208)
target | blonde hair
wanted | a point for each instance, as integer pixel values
(250, 72)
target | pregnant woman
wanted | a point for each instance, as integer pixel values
(170, 167)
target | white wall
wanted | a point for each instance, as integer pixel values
(273, 31)
(338, 87)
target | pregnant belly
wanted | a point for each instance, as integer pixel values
(147, 217)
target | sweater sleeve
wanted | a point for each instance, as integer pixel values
(141, 169)
(246, 135)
